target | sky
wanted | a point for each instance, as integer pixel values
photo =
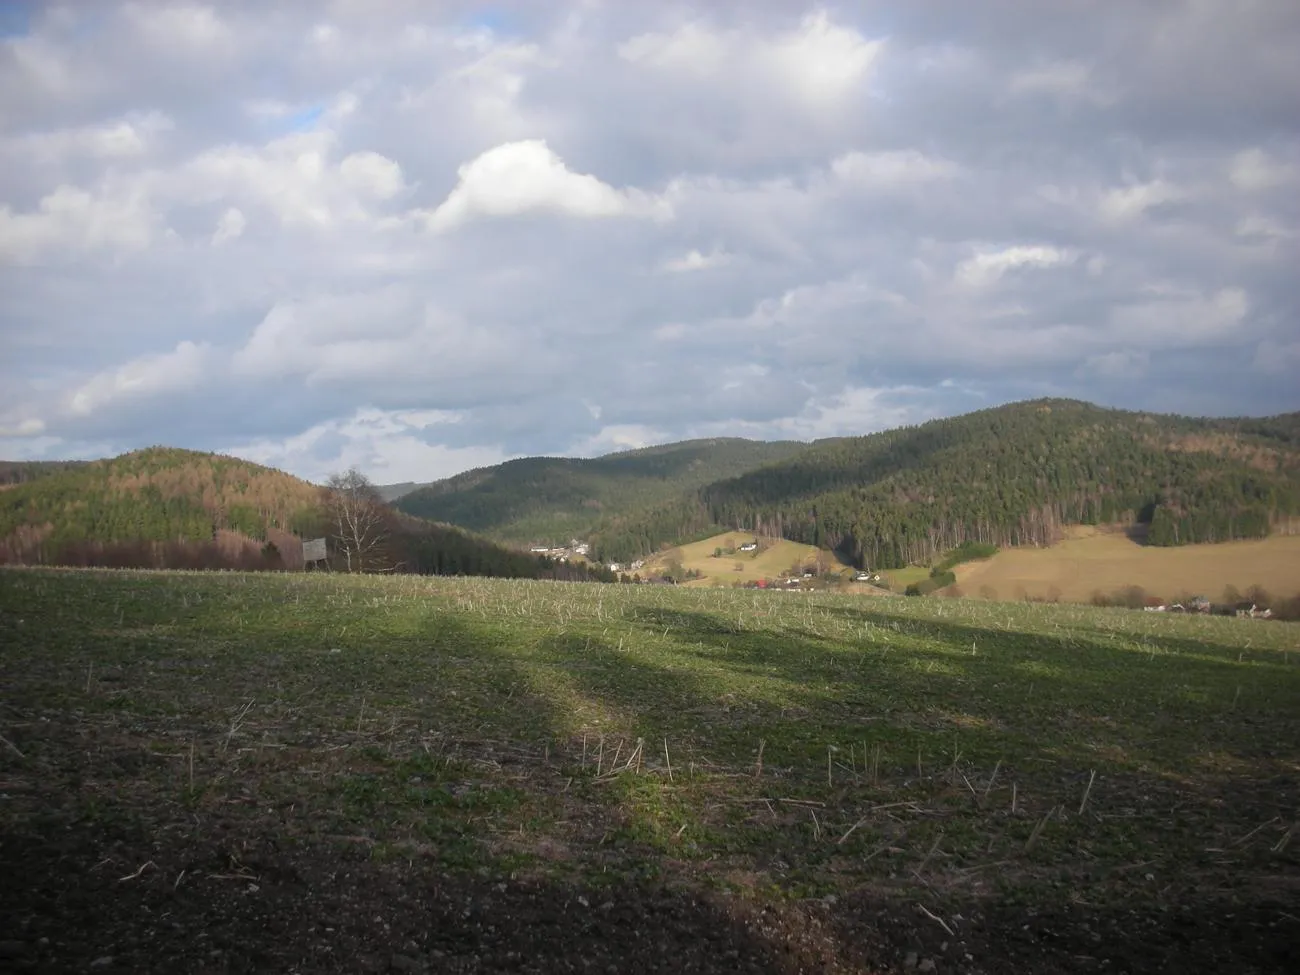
(421, 237)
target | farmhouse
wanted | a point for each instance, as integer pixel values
(749, 547)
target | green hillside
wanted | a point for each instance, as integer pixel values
(1012, 475)
(552, 499)
(157, 494)
(164, 507)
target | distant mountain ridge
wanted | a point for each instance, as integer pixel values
(391, 492)
(552, 499)
(1009, 475)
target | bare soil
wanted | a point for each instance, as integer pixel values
(238, 897)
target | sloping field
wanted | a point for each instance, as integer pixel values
(226, 772)
(1093, 561)
(776, 558)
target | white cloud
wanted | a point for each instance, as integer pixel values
(184, 368)
(891, 169)
(694, 260)
(819, 61)
(180, 28)
(391, 446)
(1128, 202)
(293, 177)
(29, 426)
(987, 266)
(1263, 227)
(528, 177)
(121, 138)
(626, 436)
(824, 60)
(391, 335)
(1254, 170)
(229, 227)
(372, 175)
(1167, 317)
(856, 410)
(71, 219)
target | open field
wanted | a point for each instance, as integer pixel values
(230, 772)
(777, 557)
(1092, 560)
(900, 579)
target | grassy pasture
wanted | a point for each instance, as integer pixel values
(292, 761)
(1091, 560)
(776, 558)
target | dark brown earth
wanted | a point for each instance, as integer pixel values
(112, 897)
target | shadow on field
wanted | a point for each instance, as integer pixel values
(1055, 696)
(239, 902)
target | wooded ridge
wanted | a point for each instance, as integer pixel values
(169, 508)
(1010, 475)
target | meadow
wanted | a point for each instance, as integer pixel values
(1090, 561)
(232, 772)
(775, 557)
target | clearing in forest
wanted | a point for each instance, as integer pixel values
(773, 558)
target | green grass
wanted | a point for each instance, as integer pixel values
(787, 747)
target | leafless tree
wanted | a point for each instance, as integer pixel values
(359, 522)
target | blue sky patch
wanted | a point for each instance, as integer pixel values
(305, 119)
(15, 18)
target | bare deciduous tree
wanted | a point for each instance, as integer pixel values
(359, 521)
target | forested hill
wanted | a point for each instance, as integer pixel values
(164, 507)
(1010, 475)
(157, 494)
(552, 499)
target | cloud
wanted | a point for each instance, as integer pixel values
(819, 61)
(230, 226)
(1068, 80)
(891, 168)
(180, 28)
(1127, 364)
(1128, 202)
(391, 445)
(71, 219)
(409, 237)
(694, 260)
(122, 138)
(147, 377)
(1277, 358)
(988, 266)
(528, 177)
(1254, 169)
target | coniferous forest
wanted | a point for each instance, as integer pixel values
(1012, 475)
